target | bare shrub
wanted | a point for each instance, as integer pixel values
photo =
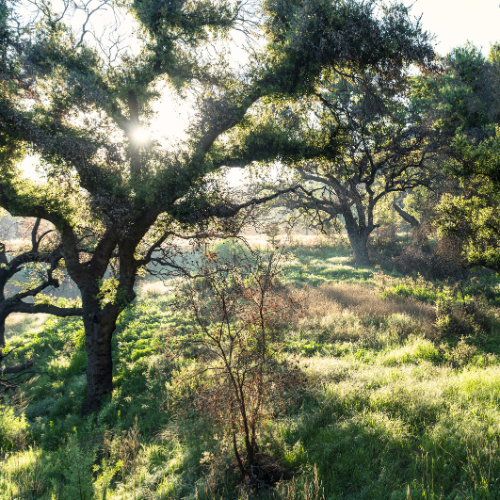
(412, 260)
(125, 447)
(420, 236)
(445, 262)
(239, 308)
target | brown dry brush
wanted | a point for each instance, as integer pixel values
(239, 310)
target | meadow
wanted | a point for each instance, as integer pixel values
(401, 397)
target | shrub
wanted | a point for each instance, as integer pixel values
(446, 262)
(77, 464)
(239, 377)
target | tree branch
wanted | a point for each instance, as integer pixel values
(7, 370)
(406, 216)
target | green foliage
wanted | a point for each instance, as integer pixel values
(464, 106)
(77, 468)
(476, 221)
(464, 97)
(13, 428)
(420, 293)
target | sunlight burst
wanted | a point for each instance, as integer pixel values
(141, 135)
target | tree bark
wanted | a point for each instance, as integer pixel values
(358, 238)
(100, 324)
(406, 216)
(2, 331)
(419, 235)
(98, 336)
(359, 244)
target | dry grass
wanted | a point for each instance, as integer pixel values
(354, 312)
(362, 300)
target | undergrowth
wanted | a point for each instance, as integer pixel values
(402, 398)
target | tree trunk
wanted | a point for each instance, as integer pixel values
(359, 245)
(358, 238)
(406, 216)
(98, 335)
(419, 231)
(2, 331)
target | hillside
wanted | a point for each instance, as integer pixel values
(402, 398)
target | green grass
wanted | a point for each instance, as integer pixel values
(395, 407)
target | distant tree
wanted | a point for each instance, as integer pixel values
(86, 115)
(381, 147)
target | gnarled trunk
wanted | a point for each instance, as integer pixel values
(100, 325)
(5, 309)
(359, 244)
(358, 238)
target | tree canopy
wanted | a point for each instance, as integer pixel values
(463, 105)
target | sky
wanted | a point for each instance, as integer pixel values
(454, 22)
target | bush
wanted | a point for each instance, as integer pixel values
(77, 463)
(239, 379)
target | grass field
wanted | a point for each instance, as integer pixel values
(402, 398)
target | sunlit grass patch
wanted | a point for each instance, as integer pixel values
(149, 290)
(414, 350)
(375, 418)
(18, 323)
(478, 385)
(23, 475)
(365, 300)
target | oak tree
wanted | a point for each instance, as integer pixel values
(378, 146)
(37, 267)
(463, 105)
(81, 113)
